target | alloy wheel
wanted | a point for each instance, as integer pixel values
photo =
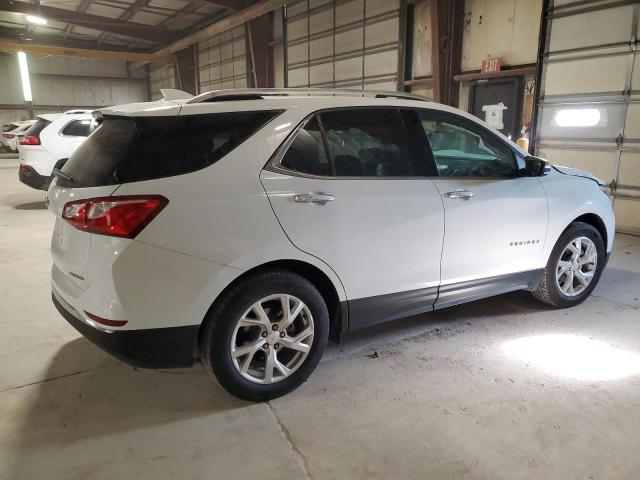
(576, 266)
(272, 338)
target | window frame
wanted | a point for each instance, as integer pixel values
(274, 163)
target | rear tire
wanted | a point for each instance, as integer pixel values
(574, 267)
(280, 353)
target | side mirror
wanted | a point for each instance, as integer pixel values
(536, 167)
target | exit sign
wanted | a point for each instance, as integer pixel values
(490, 65)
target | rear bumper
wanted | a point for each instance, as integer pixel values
(172, 347)
(30, 177)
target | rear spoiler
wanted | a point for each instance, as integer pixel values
(170, 94)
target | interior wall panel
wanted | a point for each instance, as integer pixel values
(222, 61)
(341, 43)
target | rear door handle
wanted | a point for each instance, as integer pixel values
(463, 194)
(313, 198)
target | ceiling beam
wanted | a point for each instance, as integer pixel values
(7, 45)
(87, 20)
(234, 20)
(228, 4)
(23, 35)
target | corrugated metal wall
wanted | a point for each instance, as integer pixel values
(161, 76)
(343, 43)
(222, 61)
(589, 115)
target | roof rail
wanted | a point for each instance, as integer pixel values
(259, 93)
(76, 111)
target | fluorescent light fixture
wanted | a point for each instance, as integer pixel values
(577, 117)
(573, 356)
(36, 20)
(24, 75)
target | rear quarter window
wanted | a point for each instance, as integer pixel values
(133, 149)
(77, 128)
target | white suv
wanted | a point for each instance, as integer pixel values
(10, 136)
(246, 227)
(49, 143)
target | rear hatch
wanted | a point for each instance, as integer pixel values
(30, 138)
(128, 150)
(95, 170)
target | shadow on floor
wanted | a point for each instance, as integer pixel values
(28, 200)
(31, 206)
(110, 398)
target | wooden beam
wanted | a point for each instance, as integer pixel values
(9, 46)
(185, 73)
(227, 23)
(228, 4)
(87, 20)
(447, 23)
(516, 71)
(259, 30)
(20, 35)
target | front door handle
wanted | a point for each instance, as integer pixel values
(463, 194)
(313, 198)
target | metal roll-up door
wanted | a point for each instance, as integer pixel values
(222, 61)
(343, 44)
(589, 100)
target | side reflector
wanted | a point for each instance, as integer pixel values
(105, 321)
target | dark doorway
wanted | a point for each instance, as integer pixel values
(489, 93)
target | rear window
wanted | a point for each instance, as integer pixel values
(77, 128)
(8, 127)
(133, 149)
(35, 129)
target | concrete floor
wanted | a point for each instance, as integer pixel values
(503, 388)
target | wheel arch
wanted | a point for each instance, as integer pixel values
(338, 312)
(595, 221)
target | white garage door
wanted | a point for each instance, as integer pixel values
(589, 115)
(222, 61)
(343, 44)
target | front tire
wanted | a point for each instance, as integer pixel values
(574, 267)
(265, 336)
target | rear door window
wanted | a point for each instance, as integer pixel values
(132, 149)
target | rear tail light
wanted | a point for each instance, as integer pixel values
(30, 140)
(8, 135)
(25, 169)
(123, 216)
